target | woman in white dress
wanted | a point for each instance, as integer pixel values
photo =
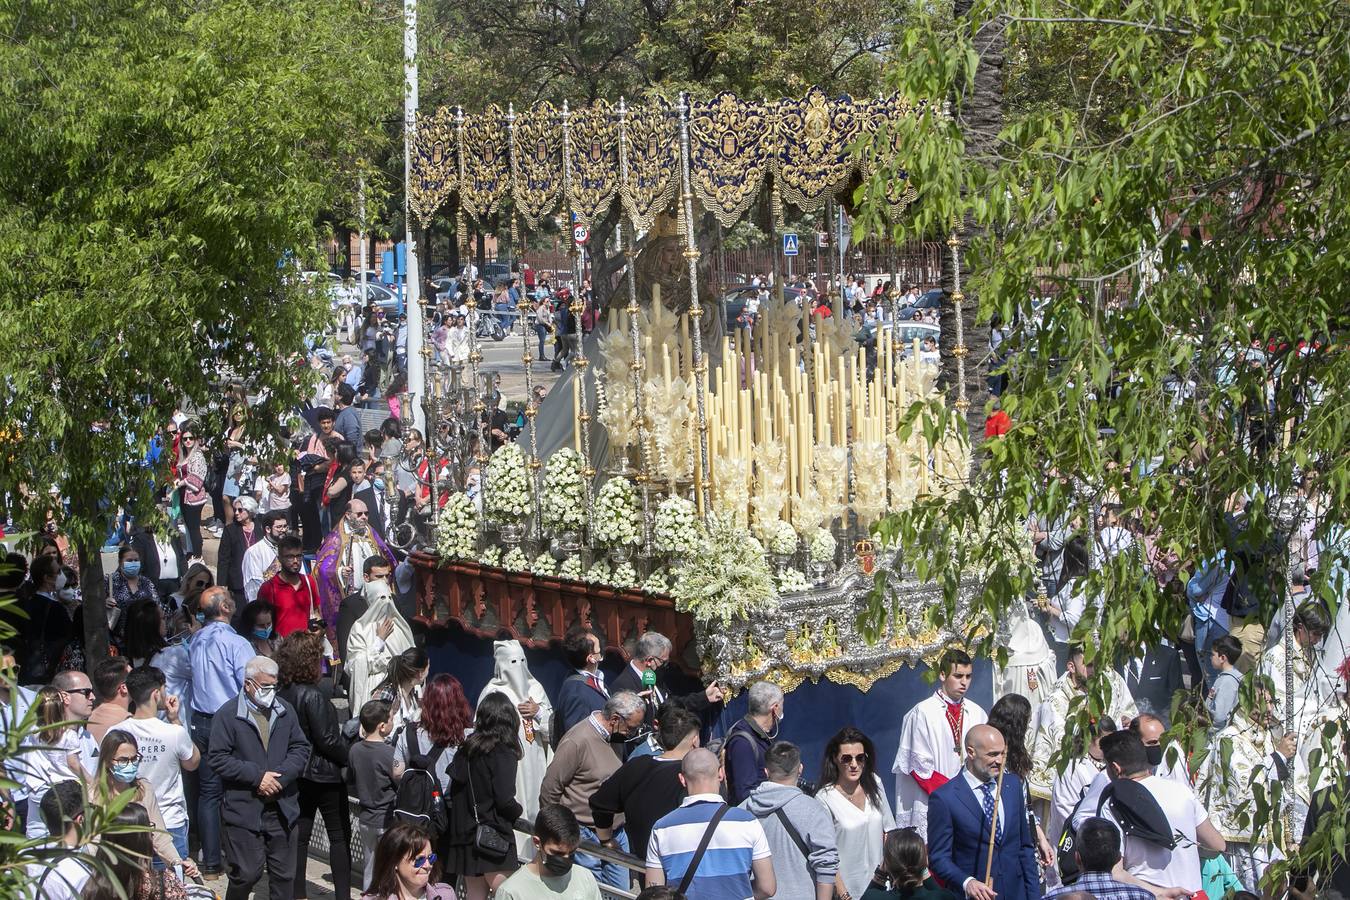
(855, 799)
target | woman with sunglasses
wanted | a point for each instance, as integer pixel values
(853, 795)
(404, 865)
(235, 540)
(190, 482)
(197, 579)
(119, 764)
(300, 666)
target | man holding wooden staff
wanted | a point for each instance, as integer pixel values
(979, 841)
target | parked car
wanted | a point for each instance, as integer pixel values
(927, 300)
(909, 332)
(734, 300)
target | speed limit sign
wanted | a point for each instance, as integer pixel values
(581, 234)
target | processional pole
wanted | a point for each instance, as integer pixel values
(700, 366)
(417, 373)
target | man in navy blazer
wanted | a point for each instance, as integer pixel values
(959, 820)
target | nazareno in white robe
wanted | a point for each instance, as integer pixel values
(368, 656)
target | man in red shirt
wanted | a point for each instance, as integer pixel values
(293, 594)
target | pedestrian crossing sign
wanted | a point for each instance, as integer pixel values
(789, 245)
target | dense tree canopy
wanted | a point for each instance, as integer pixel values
(158, 162)
(1170, 176)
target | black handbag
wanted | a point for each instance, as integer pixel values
(487, 840)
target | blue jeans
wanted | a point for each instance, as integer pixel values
(608, 873)
(180, 843)
(211, 792)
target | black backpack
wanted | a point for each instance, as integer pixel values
(419, 801)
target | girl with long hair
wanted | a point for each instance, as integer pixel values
(144, 632)
(1011, 715)
(439, 732)
(483, 791)
(404, 864)
(856, 801)
(127, 852)
(119, 763)
(903, 874)
(402, 687)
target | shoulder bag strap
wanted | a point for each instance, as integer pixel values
(702, 848)
(473, 800)
(792, 832)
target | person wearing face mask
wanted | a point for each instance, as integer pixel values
(371, 491)
(749, 739)
(1166, 761)
(586, 756)
(46, 632)
(259, 752)
(217, 657)
(1047, 725)
(256, 627)
(1071, 784)
(552, 874)
(119, 770)
(260, 560)
(293, 594)
(645, 676)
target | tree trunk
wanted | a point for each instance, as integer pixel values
(980, 115)
(94, 592)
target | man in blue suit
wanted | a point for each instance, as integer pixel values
(960, 815)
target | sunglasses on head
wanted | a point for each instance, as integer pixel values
(848, 759)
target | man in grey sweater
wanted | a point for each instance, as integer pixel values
(800, 830)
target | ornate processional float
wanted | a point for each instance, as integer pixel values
(717, 487)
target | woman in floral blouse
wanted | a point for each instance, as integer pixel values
(191, 485)
(125, 587)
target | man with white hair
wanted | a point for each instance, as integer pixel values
(259, 751)
(644, 676)
(585, 758)
(749, 739)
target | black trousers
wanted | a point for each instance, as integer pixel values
(249, 847)
(330, 801)
(192, 523)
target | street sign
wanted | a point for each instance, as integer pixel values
(822, 239)
(789, 244)
(581, 234)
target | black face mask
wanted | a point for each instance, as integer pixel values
(556, 865)
(1154, 755)
(616, 737)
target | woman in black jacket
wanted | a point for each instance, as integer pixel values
(300, 659)
(483, 790)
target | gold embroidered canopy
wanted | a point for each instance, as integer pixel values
(549, 160)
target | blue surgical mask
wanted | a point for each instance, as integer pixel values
(201, 618)
(379, 483)
(126, 772)
(131, 568)
(262, 634)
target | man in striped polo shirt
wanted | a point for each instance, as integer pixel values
(706, 849)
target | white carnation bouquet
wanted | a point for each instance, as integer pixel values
(457, 528)
(821, 546)
(544, 564)
(515, 560)
(598, 573)
(780, 538)
(676, 529)
(491, 556)
(657, 582)
(508, 485)
(791, 581)
(563, 504)
(570, 568)
(618, 518)
(625, 576)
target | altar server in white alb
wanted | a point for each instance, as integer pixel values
(931, 740)
(512, 677)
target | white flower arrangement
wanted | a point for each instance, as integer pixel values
(599, 573)
(515, 560)
(570, 568)
(508, 481)
(821, 546)
(618, 518)
(728, 579)
(781, 538)
(625, 576)
(791, 581)
(563, 505)
(657, 582)
(676, 528)
(492, 556)
(544, 564)
(457, 528)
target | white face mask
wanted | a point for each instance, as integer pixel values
(67, 594)
(60, 581)
(264, 697)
